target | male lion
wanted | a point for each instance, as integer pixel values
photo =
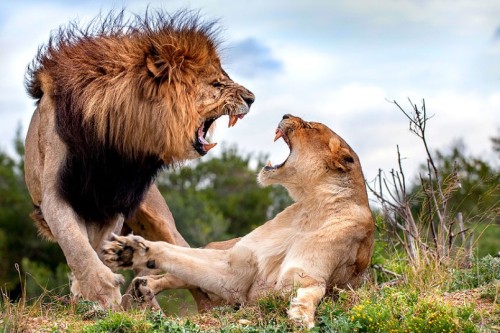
(323, 240)
(118, 101)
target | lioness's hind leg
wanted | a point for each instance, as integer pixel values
(145, 288)
(159, 283)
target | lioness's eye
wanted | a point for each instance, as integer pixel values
(217, 84)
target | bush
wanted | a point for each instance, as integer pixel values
(483, 271)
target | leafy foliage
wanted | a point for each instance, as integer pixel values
(18, 235)
(483, 271)
(219, 198)
(479, 191)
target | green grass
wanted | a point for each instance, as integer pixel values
(430, 298)
(403, 307)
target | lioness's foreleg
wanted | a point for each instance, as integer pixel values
(226, 273)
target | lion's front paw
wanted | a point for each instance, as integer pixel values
(300, 314)
(126, 252)
(101, 285)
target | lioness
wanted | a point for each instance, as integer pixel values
(324, 239)
(117, 101)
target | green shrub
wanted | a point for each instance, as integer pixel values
(395, 310)
(483, 271)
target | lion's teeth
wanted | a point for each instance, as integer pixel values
(279, 134)
(232, 120)
(208, 146)
(269, 164)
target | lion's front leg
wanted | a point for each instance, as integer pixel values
(96, 281)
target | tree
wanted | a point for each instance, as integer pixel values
(427, 218)
(477, 196)
(219, 198)
(19, 242)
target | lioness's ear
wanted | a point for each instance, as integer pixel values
(341, 158)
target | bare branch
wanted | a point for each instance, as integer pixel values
(385, 270)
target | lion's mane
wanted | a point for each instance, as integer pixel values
(120, 122)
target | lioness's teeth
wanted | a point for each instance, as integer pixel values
(232, 120)
(279, 134)
(208, 146)
(269, 164)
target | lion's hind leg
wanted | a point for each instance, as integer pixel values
(42, 225)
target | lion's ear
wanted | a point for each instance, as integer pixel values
(166, 61)
(341, 158)
(156, 66)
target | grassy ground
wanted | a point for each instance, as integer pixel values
(429, 299)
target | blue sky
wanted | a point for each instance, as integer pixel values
(337, 62)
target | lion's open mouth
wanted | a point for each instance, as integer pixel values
(201, 144)
(279, 134)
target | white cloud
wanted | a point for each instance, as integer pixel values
(341, 61)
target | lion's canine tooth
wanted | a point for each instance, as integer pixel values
(232, 120)
(208, 146)
(279, 134)
(269, 164)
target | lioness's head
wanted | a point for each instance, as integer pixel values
(151, 86)
(317, 156)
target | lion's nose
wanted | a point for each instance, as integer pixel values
(287, 116)
(249, 99)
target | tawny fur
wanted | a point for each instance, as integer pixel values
(323, 240)
(139, 89)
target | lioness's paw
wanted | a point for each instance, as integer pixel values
(141, 291)
(299, 314)
(124, 251)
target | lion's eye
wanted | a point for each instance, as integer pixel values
(217, 84)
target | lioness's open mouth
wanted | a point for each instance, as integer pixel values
(280, 133)
(201, 144)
